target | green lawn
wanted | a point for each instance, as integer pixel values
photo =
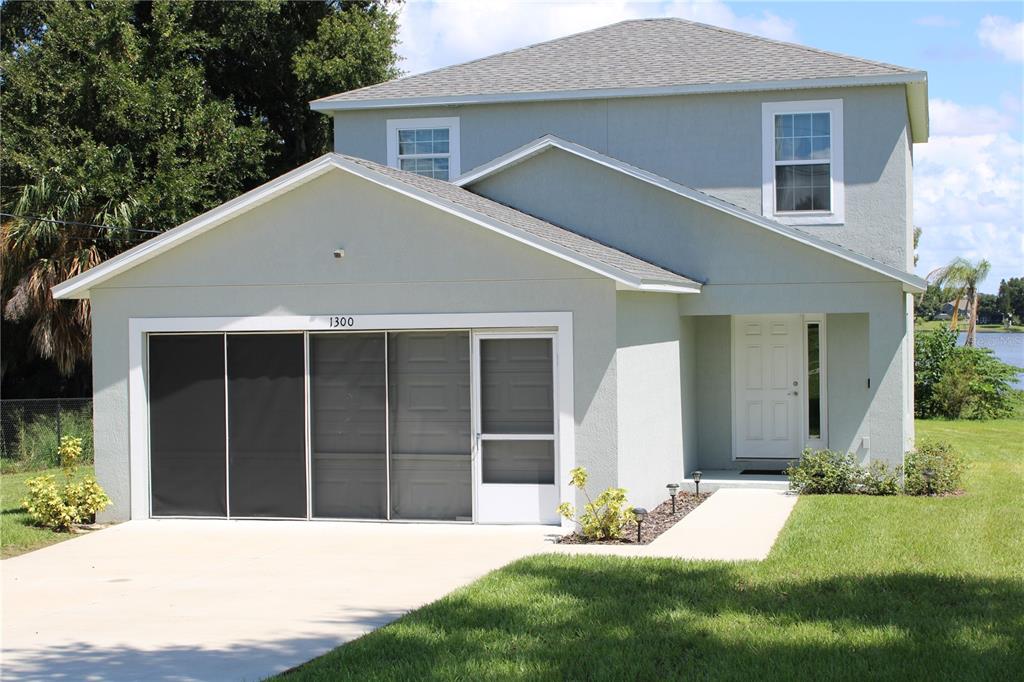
(856, 588)
(17, 534)
(928, 325)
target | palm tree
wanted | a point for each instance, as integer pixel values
(961, 279)
(38, 255)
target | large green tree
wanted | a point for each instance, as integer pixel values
(141, 115)
(1011, 298)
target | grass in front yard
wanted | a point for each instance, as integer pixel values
(17, 534)
(856, 588)
(929, 325)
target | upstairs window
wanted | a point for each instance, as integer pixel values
(425, 146)
(803, 174)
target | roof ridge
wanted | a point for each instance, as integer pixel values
(479, 59)
(776, 41)
(894, 68)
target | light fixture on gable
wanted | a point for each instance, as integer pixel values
(339, 253)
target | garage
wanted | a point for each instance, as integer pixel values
(453, 425)
(352, 342)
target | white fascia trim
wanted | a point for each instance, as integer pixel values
(327, 104)
(917, 108)
(834, 108)
(450, 122)
(911, 283)
(78, 286)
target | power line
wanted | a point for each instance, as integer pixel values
(78, 223)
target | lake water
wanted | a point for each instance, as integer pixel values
(1008, 347)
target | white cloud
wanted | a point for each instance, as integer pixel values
(950, 118)
(1004, 36)
(443, 32)
(969, 195)
(937, 21)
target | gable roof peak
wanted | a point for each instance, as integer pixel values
(910, 282)
(659, 55)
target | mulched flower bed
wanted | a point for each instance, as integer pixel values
(658, 520)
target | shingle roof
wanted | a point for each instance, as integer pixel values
(553, 234)
(645, 53)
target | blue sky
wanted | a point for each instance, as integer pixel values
(969, 177)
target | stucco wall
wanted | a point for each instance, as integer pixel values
(676, 232)
(847, 342)
(747, 270)
(401, 257)
(688, 388)
(713, 376)
(709, 142)
(650, 409)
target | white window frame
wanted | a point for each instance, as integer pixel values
(451, 123)
(833, 107)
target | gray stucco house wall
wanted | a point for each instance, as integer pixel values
(627, 229)
(400, 259)
(709, 142)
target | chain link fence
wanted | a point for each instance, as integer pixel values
(30, 430)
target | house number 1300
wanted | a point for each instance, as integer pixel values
(341, 321)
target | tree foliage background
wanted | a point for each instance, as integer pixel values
(142, 115)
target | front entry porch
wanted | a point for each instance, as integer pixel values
(720, 479)
(761, 394)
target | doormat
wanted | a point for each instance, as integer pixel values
(763, 472)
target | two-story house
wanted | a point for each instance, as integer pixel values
(647, 249)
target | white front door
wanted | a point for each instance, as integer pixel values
(767, 384)
(515, 444)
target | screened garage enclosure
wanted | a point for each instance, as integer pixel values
(374, 425)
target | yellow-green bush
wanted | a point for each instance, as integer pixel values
(60, 505)
(946, 464)
(603, 518)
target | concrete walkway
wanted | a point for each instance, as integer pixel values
(241, 600)
(734, 524)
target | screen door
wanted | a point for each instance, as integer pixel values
(515, 428)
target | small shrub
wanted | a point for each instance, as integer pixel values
(59, 506)
(603, 518)
(823, 471)
(960, 382)
(931, 351)
(943, 459)
(878, 479)
(975, 385)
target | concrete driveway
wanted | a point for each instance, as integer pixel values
(229, 600)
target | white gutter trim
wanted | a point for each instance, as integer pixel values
(915, 284)
(329, 104)
(78, 286)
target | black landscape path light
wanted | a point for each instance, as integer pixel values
(929, 476)
(640, 513)
(696, 481)
(672, 488)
